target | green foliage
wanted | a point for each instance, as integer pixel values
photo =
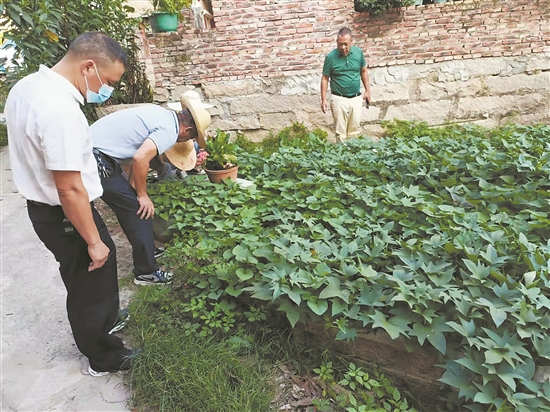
(188, 363)
(371, 393)
(3, 134)
(325, 372)
(170, 6)
(221, 152)
(43, 29)
(440, 237)
(379, 6)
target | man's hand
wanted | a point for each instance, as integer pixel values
(366, 97)
(76, 205)
(324, 88)
(146, 207)
(99, 253)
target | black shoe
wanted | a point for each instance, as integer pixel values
(193, 172)
(160, 277)
(126, 361)
(159, 252)
(121, 321)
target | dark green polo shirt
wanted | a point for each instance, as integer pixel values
(345, 71)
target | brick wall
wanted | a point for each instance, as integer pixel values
(485, 61)
(269, 38)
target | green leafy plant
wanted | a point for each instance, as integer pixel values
(379, 6)
(220, 152)
(3, 134)
(170, 6)
(374, 392)
(325, 372)
(42, 31)
(436, 236)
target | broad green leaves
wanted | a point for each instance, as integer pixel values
(441, 239)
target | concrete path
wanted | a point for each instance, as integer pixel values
(41, 368)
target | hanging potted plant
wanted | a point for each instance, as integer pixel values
(166, 13)
(219, 160)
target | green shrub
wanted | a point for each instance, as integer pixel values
(3, 134)
(42, 31)
(440, 237)
(379, 6)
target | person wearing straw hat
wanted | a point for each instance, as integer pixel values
(166, 170)
(193, 97)
(131, 139)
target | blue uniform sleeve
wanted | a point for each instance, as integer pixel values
(164, 138)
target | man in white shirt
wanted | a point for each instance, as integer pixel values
(54, 169)
(134, 137)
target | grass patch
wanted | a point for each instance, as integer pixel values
(197, 374)
(179, 371)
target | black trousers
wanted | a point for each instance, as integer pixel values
(92, 297)
(121, 197)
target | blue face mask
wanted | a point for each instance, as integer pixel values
(102, 94)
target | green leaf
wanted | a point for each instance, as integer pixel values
(291, 311)
(493, 356)
(466, 329)
(338, 306)
(318, 307)
(371, 296)
(421, 332)
(295, 294)
(230, 290)
(348, 334)
(242, 254)
(486, 395)
(332, 290)
(394, 327)
(437, 339)
(244, 274)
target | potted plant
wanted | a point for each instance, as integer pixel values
(219, 158)
(165, 15)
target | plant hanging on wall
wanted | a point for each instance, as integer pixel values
(379, 6)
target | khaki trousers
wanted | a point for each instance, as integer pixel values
(347, 116)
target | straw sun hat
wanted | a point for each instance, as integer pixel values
(193, 96)
(183, 155)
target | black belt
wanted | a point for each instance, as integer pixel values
(35, 203)
(347, 97)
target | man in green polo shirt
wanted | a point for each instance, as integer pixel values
(346, 68)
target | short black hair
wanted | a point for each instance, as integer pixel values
(344, 31)
(186, 119)
(98, 47)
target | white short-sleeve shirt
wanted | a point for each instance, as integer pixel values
(47, 131)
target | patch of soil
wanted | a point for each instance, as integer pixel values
(295, 393)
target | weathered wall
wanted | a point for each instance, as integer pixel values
(483, 61)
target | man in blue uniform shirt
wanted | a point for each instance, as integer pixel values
(132, 138)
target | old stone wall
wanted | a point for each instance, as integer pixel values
(482, 61)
